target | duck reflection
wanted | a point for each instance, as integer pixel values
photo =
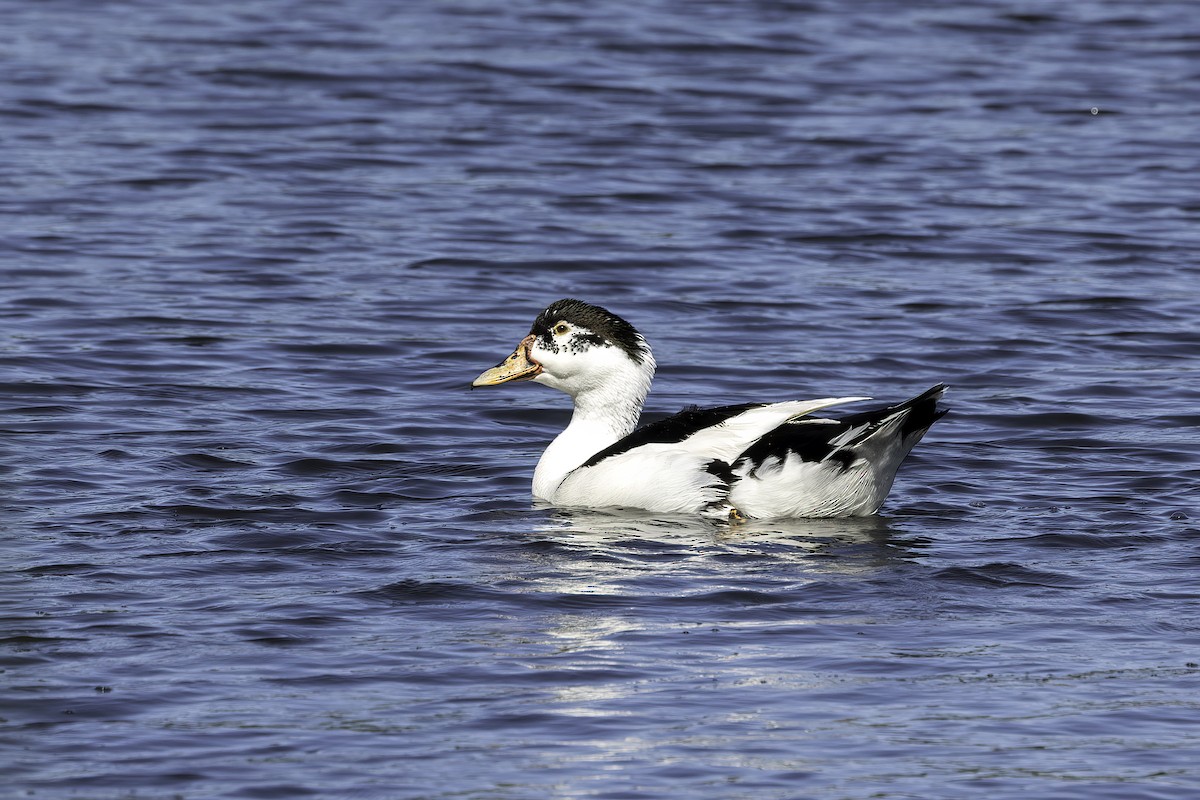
(634, 600)
(850, 544)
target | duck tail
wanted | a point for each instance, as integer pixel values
(894, 429)
(922, 412)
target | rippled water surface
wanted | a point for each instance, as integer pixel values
(260, 541)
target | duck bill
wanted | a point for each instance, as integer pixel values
(517, 367)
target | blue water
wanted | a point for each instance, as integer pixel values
(260, 541)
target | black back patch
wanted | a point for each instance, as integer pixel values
(675, 428)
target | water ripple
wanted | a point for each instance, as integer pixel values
(263, 542)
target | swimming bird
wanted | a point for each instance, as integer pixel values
(754, 460)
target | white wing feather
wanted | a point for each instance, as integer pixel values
(727, 440)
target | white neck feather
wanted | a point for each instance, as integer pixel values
(605, 412)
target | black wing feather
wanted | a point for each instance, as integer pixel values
(808, 439)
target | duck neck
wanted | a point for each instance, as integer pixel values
(603, 415)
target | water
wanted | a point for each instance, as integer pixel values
(261, 541)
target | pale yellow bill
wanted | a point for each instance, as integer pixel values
(517, 367)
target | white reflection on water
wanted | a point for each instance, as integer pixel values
(861, 543)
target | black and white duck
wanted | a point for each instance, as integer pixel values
(755, 460)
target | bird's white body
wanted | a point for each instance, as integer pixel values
(669, 476)
(756, 460)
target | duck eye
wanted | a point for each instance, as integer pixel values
(561, 328)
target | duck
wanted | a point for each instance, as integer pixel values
(746, 461)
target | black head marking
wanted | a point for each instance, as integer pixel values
(606, 328)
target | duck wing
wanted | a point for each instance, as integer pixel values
(831, 467)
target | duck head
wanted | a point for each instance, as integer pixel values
(580, 349)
